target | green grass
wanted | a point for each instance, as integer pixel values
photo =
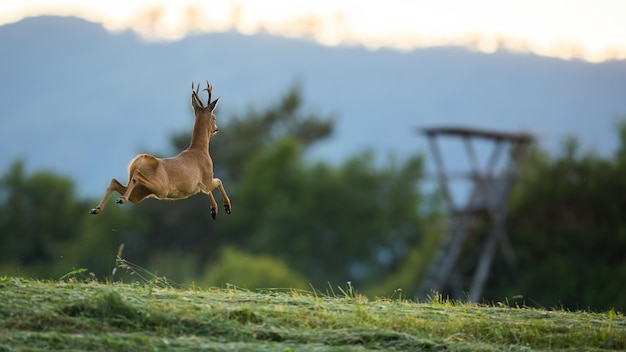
(72, 315)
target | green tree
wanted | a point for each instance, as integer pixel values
(242, 136)
(187, 226)
(568, 226)
(37, 215)
(96, 246)
(353, 222)
(45, 232)
(348, 222)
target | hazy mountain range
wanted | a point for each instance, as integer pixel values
(82, 101)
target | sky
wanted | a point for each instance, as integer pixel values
(569, 29)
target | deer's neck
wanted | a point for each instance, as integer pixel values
(200, 137)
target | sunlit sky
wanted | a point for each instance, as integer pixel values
(583, 29)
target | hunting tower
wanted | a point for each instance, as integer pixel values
(486, 205)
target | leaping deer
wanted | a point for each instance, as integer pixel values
(179, 177)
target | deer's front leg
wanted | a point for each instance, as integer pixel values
(213, 205)
(114, 186)
(217, 183)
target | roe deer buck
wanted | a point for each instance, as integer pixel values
(179, 177)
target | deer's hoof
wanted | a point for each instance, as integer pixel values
(213, 212)
(95, 211)
(120, 200)
(227, 208)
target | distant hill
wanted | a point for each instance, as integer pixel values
(82, 101)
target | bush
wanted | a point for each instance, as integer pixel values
(251, 271)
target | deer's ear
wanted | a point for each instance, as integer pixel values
(213, 105)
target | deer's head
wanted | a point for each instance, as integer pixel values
(204, 112)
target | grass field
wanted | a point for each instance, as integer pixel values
(72, 315)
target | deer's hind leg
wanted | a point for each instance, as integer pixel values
(143, 180)
(140, 187)
(114, 186)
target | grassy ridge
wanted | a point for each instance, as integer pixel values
(95, 316)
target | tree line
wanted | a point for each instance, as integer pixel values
(301, 223)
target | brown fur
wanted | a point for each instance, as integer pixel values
(186, 174)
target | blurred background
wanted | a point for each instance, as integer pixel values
(317, 148)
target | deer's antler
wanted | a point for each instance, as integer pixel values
(209, 88)
(195, 95)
